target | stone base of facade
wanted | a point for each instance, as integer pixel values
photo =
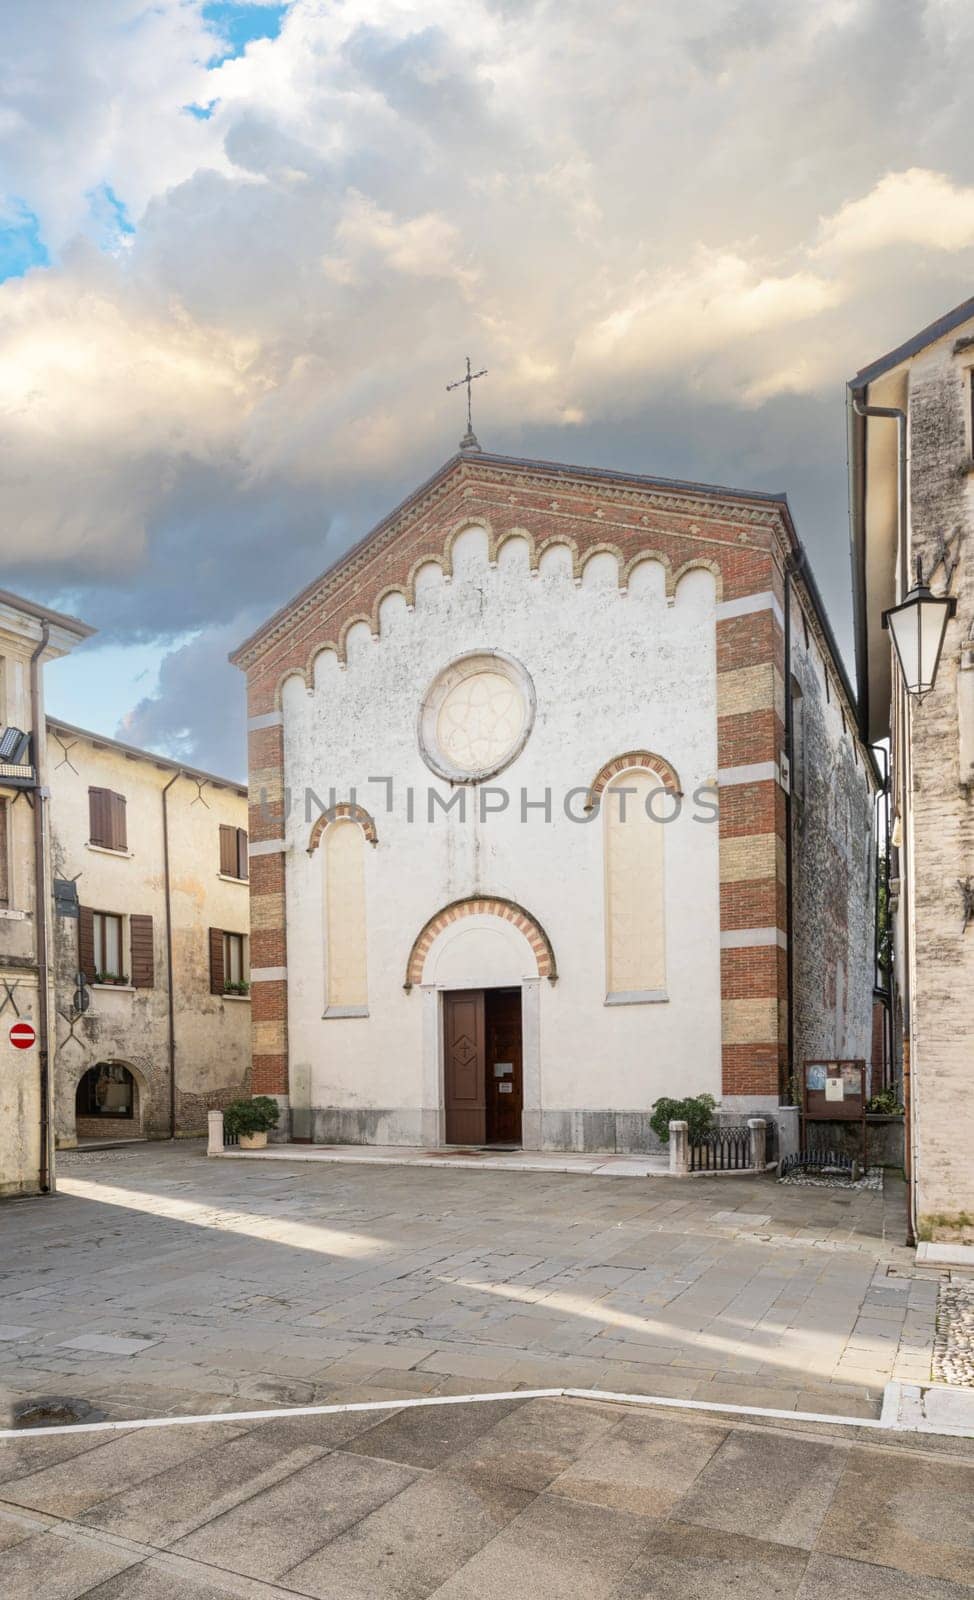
(588, 1132)
(619, 1132)
(616, 1132)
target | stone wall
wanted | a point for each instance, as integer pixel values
(834, 865)
(939, 843)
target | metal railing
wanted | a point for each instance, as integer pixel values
(821, 1159)
(726, 1149)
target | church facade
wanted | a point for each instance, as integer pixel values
(557, 806)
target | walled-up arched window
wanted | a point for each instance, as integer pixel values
(635, 948)
(346, 981)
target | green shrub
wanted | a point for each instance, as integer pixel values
(885, 1104)
(258, 1115)
(697, 1110)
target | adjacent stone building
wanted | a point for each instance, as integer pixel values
(151, 905)
(30, 636)
(557, 796)
(912, 496)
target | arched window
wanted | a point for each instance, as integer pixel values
(346, 985)
(635, 949)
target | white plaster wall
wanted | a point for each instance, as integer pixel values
(612, 672)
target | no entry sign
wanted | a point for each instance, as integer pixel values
(22, 1036)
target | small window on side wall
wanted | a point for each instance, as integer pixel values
(233, 852)
(106, 819)
(107, 934)
(229, 968)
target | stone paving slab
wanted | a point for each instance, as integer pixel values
(157, 1281)
(542, 1499)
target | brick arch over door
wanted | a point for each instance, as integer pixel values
(631, 760)
(482, 906)
(344, 811)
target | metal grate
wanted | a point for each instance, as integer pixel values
(819, 1159)
(723, 1150)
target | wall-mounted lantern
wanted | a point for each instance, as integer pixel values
(918, 626)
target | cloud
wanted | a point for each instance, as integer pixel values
(916, 207)
(197, 714)
(620, 214)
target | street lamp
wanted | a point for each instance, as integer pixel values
(918, 626)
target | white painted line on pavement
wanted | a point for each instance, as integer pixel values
(890, 1420)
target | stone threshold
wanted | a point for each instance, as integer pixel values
(589, 1164)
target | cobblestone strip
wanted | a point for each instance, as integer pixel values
(953, 1346)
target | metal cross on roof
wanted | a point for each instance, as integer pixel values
(469, 440)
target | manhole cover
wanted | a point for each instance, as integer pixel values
(53, 1411)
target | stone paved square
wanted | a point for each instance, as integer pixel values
(159, 1282)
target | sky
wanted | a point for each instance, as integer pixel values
(244, 247)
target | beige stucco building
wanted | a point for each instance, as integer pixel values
(912, 462)
(151, 904)
(30, 636)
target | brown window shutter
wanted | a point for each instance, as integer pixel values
(98, 825)
(216, 960)
(243, 870)
(86, 942)
(117, 823)
(143, 970)
(228, 850)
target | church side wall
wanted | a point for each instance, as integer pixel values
(834, 846)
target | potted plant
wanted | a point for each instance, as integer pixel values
(250, 1120)
(238, 987)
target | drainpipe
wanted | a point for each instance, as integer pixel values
(169, 965)
(898, 415)
(882, 981)
(794, 566)
(45, 1175)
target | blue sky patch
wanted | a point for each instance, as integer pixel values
(240, 24)
(21, 245)
(111, 223)
(202, 113)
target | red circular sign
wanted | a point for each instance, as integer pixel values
(22, 1036)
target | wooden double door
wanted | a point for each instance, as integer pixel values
(482, 1066)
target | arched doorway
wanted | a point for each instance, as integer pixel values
(106, 1103)
(479, 964)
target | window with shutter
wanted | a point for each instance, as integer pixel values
(143, 966)
(243, 870)
(118, 825)
(228, 851)
(216, 960)
(107, 932)
(86, 942)
(106, 819)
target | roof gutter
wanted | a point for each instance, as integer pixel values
(859, 411)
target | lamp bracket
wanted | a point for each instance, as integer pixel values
(949, 555)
